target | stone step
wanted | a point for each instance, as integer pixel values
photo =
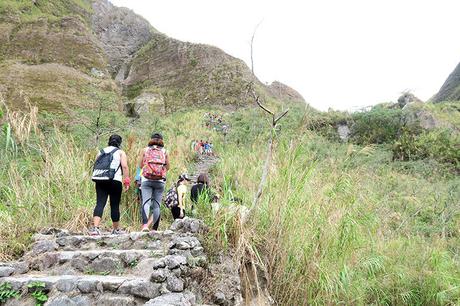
(88, 284)
(68, 242)
(93, 261)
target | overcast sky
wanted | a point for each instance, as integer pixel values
(336, 53)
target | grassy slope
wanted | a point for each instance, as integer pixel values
(342, 224)
(337, 223)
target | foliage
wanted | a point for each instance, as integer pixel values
(7, 292)
(377, 126)
(38, 292)
(341, 223)
(442, 145)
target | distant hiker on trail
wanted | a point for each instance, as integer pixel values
(177, 202)
(110, 170)
(154, 163)
(193, 145)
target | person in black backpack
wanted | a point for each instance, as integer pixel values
(110, 174)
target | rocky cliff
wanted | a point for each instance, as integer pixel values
(79, 46)
(450, 90)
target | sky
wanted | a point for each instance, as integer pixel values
(338, 54)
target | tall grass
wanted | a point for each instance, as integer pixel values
(45, 174)
(342, 224)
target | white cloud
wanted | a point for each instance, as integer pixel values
(336, 53)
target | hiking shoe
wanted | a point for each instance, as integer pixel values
(117, 231)
(94, 231)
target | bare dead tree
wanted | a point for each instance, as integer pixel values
(274, 122)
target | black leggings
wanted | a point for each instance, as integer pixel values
(175, 211)
(104, 189)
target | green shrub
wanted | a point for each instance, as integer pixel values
(442, 145)
(377, 126)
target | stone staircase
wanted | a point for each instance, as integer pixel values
(154, 268)
(203, 165)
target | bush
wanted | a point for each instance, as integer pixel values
(377, 126)
(442, 145)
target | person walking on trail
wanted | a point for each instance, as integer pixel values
(154, 164)
(193, 145)
(201, 191)
(110, 170)
(178, 212)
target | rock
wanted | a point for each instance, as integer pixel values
(106, 264)
(406, 98)
(89, 285)
(158, 276)
(450, 90)
(61, 301)
(187, 224)
(174, 261)
(66, 285)
(174, 284)
(43, 246)
(45, 261)
(130, 257)
(68, 241)
(81, 300)
(6, 271)
(97, 73)
(159, 263)
(172, 299)
(344, 131)
(21, 267)
(143, 289)
(79, 264)
(109, 300)
(219, 298)
(184, 243)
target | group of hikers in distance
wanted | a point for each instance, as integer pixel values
(202, 147)
(111, 173)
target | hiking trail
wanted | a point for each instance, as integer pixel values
(156, 268)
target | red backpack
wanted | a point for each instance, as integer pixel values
(154, 163)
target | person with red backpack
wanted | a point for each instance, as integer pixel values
(110, 173)
(154, 163)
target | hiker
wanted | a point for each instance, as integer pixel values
(154, 164)
(211, 152)
(201, 147)
(206, 148)
(201, 190)
(193, 145)
(110, 170)
(178, 212)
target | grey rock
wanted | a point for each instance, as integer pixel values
(89, 285)
(111, 300)
(130, 257)
(6, 271)
(450, 90)
(140, 288)
(61, 301)
(158, 276)
(66, 285)
(81, 300)
(106, 264)
(21, 267)
(172, 299)
(174, 284)
(43, 246)
(219, 298)
(97, 73)
(174, 261)
(159, 263)
(120, 31)
(45, 261)
(185, 243)
(68, 241)
(344, 131)
(79, 264)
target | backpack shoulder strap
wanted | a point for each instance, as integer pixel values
(114, 150)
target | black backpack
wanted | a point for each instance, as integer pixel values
(172, 199)
(102, 170)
